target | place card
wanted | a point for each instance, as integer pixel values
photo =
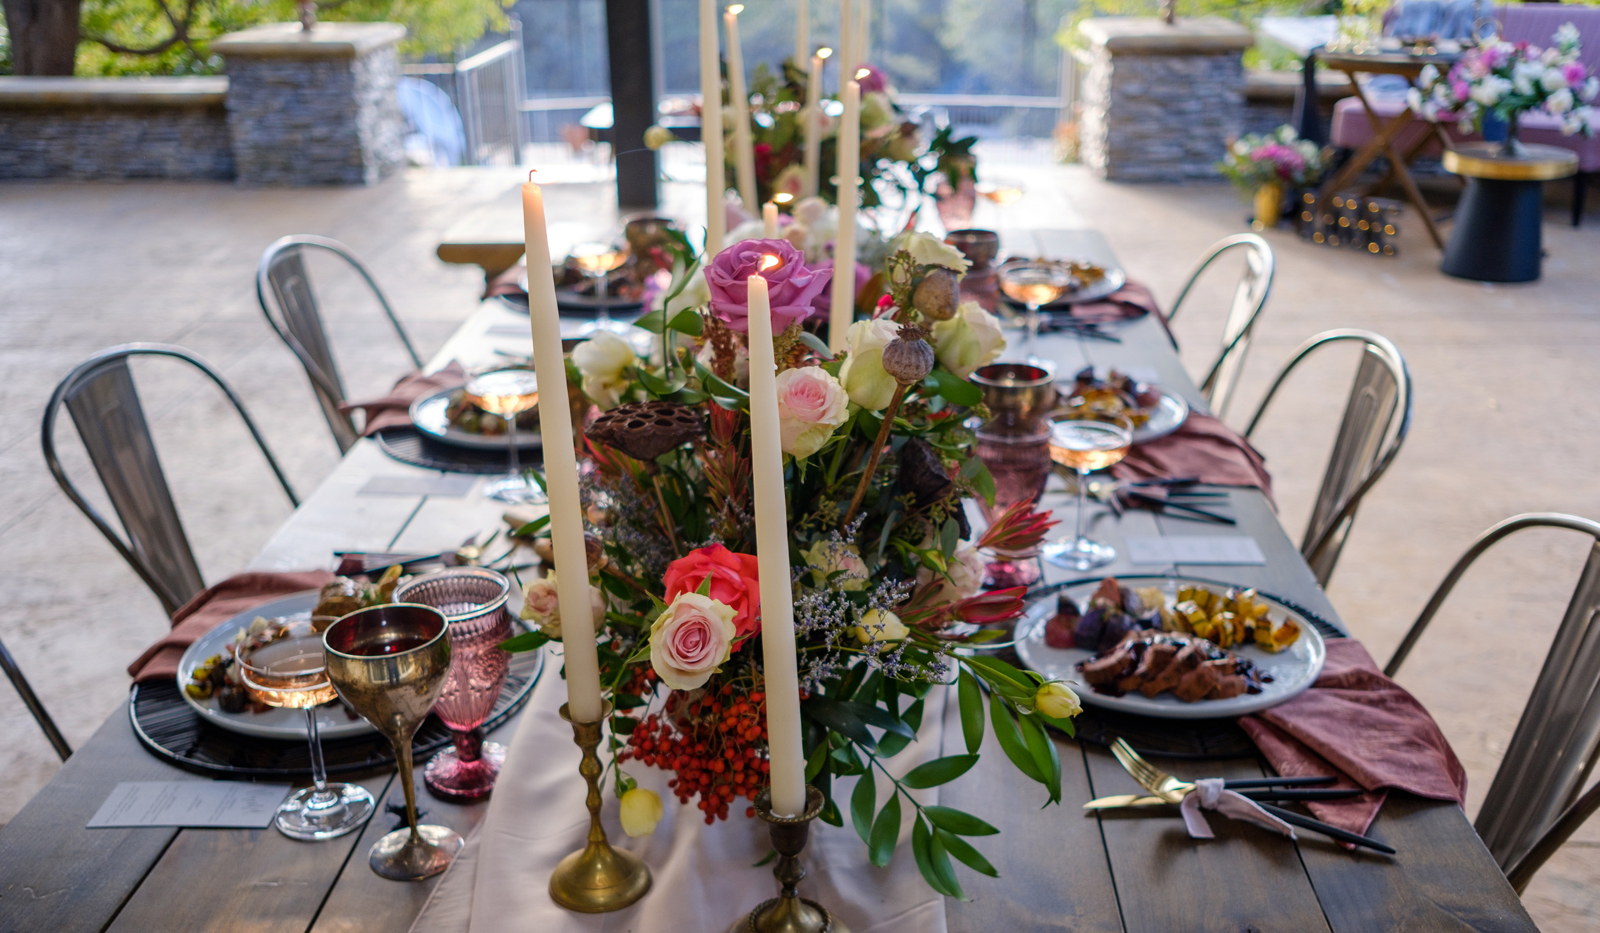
(204, 804)
(1194, 549)
(447, 485)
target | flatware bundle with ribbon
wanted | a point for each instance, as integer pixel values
(1238, 799)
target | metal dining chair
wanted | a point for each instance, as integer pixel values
(31, 701)
(100, 395)
(1534, 804)
(1249, 297)
(1377, 418)
(282, 273)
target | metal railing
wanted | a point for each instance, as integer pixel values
(487, 89)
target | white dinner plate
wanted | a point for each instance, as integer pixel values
(430, 415)
(1168, 415)
(1293, 669)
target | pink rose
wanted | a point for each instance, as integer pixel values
(811, 404)
(1460, 90)
(735, 582)
(1574, 72)
(791, 287)
(873, 81)
(691, 640)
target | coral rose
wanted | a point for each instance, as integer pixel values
(790, 285)
(691, 640)
(735, 582)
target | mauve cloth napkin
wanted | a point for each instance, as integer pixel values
(1360, 726)
(395, 408)
(214, 606)
(1130, 301)
(1204, 447)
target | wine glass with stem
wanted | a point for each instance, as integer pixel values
(390, 663)
(508, 393)
(597, 259)
(288, 671)
(1034, 285)
(1085, 441)
(1002, 193)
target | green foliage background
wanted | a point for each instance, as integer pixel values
(440, 27)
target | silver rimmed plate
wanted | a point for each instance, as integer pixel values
(1293, 669)
(430, 414)
(1166, 416)
(1113, 279)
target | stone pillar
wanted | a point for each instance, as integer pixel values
(315, 108)
(1161, 101)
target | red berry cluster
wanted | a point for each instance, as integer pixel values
(715, 742)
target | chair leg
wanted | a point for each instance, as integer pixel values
(30, 700)
(1580, 193)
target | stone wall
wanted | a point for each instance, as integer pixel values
(109, 130)
(1269, 98)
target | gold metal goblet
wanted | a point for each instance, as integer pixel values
(390, 663)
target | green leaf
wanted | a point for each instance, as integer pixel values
(815, 343)
(1004, 678)
(649, 322)
(964, 851)
(623, 725)
(1044, 755)
(766, 859)
(527, 641)
(819, 757)
(922, 850)
(538, 479)
(949, 535)
(971, 711)
(939, 771)
(894, 743)
(830, 814)
(955, 821)
(1065, 725)
(688, 322)
(851, 719)
(720, 388)
(704, 589)
(970, 467)
(885, 830)
(955, 389)
(983, 483)
(656, 385)
(863, 800)
(628, 701)
(942, 867)
(1005, 730)
(532, 528)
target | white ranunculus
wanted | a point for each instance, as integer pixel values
(863, 375)
(603, 360)
(1429, 75)
(1552, 80)
(1559, 102)
(1489, 91)
(1414, 99)
(969, 340)
(1524, 75)
(1591, 88)
(1567, 36)
(1572, 125)
(929, 250)
(811, 404)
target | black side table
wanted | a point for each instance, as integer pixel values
(1499, 229)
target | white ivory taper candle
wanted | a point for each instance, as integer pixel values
(802, 32)
(842, 305)
(744, 157)
(846, 53)
(788, 772)
(561, 469)
(711, 130)
(813, 124)
(769, 221)
(863, 42)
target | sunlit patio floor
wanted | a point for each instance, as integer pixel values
(1507, 404)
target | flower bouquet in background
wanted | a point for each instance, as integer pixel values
(1508, 79)
(1266, 165)
(887, 581)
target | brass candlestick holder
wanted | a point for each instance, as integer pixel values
(598, 879)
(789, 912)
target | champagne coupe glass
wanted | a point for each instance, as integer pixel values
(508, 393)
(597, 260)
(1002, 193)
(390, 664)
(473, 600)
(1084, 441)
(1033, 284)
(289, 672)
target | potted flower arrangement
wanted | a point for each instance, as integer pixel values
(1509, 79)
(887, 583)
(1265, 165)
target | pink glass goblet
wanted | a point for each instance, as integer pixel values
(473, 599)
(1019, 461)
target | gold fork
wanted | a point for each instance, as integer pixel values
(1150, 777)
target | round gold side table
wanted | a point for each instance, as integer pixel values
(1499, 225)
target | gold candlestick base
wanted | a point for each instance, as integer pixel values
(598, 879)
(789, 912)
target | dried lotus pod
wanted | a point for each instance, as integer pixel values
(908, 358)
(646, 430)
(937, 295)
(594, 552)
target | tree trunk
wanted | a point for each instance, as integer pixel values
(44, 35)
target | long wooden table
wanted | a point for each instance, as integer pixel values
(1060, 869)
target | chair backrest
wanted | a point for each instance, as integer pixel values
(283, 274)
(1377, 418)
(100, 395)
(1533, 804)
(1249, 296)
(1536, 23)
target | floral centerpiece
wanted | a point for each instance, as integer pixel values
(1262, 165)
(887, 582)
(1508, 79)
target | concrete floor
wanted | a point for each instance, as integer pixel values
(1506, 392)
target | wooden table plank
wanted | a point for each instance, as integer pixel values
(233, 879)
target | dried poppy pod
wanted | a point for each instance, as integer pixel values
(646, 430)
(908, 357)
(937, 295)
(594, 551)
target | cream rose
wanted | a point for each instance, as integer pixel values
(811, 404)
(966, 576)
(541, 603)
(1056, 700)
(969, 340)
(691, 640)
(929, 250)
(877, 625)
(641, 811)
(826, 558)
(863, 375)
(603, 360)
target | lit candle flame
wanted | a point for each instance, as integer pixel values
(824, 52)
(782, 197)
(768, 262)
(862, 73)
(736, 8)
